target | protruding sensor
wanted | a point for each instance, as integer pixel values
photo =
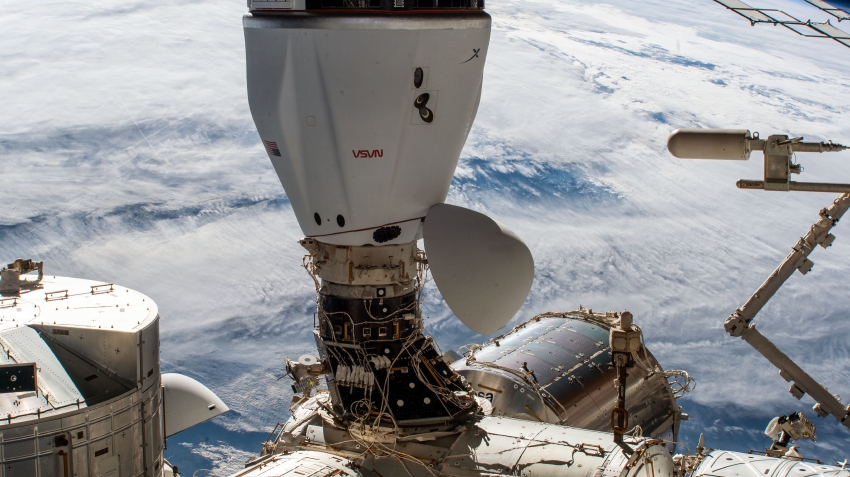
(736, 144)
(729, 144)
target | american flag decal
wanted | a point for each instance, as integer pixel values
(271, 148)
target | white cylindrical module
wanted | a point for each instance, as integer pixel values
(364, 115)
(719, 463)
(484, 445)
(95, 407)
(80, 388)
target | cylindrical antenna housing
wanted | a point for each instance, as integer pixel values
(728, 144)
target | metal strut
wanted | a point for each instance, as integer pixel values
(619, 415)
(625, 342)
(739, 323)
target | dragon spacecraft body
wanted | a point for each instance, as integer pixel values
(363, 107)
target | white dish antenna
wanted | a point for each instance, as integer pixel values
(188, 403)
(483, 270)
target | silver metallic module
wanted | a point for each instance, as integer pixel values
(556, 368)
(719, 463)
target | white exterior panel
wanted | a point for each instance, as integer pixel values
(334, 96)
(720, 463)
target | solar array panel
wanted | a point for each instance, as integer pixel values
(839, 13)
(806, 28)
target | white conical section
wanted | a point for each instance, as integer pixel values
(482, 269)
(336, 105)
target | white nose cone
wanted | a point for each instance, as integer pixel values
(482, 269)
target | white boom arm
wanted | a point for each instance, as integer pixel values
(738, 324)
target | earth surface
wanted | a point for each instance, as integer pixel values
(128, 155)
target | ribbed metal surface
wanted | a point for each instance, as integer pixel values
(572, 383)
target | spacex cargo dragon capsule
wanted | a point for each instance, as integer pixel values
(363, 107)
(364, 115)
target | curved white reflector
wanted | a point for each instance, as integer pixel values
(188, 403)
(482, 269)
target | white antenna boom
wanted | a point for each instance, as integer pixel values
(737, 144)
(739, 323)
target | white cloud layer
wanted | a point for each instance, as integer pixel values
(128, 155)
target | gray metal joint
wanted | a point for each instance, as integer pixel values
(804, 265)
(825, 240)
(736, 325)
(622, 360)
(797, 391)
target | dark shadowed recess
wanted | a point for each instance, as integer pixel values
(734, 427)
